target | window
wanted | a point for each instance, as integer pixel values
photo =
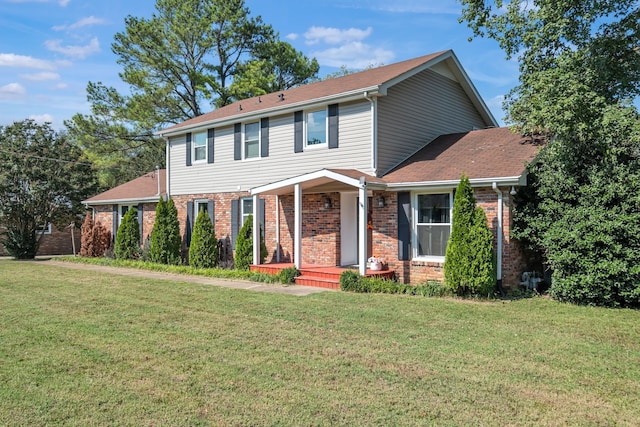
(433, 224)
(44, 230)
(252, 140)
(200, 147)
(200, 206)
(316, 128)
(246, 209)
(123, 211)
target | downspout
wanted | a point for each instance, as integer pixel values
(168, 163)
(158, 178)
(499, 245)
(374, 133)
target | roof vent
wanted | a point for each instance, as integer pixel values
(239, 107)
(259, 100)
(281, 97)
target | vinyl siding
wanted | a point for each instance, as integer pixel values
(228, 175)
(418, 110)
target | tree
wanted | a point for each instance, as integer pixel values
(165, 241)
(468, 266)
(43, 179)
(244, 246)
(579, 72)
(128, 237)
(203, 252)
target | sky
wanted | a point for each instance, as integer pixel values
(51, 49)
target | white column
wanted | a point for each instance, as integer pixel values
(277, 228)
(297, 232)
(256, 230)
(362, 223)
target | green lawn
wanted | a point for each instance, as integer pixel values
(80, 348)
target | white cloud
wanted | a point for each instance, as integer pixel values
(355, 55)
(84, 22)
(330, 35)
(12, 91)
(64, 3)
(61, 86)
(73, 51)
(42, 118)
(292, 36)
(13, 60)
(40, 77)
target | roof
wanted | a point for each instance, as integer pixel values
(483, 155)
(374, 81)
(142, 189)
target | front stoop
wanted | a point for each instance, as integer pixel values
(318, 276)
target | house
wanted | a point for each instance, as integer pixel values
(141, 193)
(343, 169)
(54, 241)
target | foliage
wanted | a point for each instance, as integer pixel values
(43, 179)
(244, 246)
(579, 70)
(86, 235)
(165, 241)
(352, 281)
(203, 252)
(127, 244)
(288, 275)
(469, 265)
(95, 238)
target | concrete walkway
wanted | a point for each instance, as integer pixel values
(295, 290)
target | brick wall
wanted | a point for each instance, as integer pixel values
(104, 215)
(57, 243)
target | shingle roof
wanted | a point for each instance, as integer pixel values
(144, 188)
(373, 77)
(480, 154)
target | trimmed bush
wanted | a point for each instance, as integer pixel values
(288, 275)
(244, 246)
(350, 281)
(203, 252)
(86, 236)
(128, 238)
(95, 238)
(165, 238)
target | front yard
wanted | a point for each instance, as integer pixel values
(87, 349)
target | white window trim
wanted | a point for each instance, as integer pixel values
(306, 129)
(244, 142)
(414, 225)
(193, 148)
(120, 215)
(196, 205)
(44, 230)
(242, 212)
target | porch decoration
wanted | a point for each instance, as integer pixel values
(376, 263)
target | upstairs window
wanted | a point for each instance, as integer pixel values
(433, 224)
(252, 140)
(316, 128)
(200, 146)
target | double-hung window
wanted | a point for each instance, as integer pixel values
(433, 225)
(123, 210)
(246, 209)
(200, 146)
(316, 128)
(252, 140)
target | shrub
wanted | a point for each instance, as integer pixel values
(165, 238)
(244, 246)
(95, 238)
(101, 239)
(350, 281)
(86, 236)
(128, 238)
(288, 275)
(203, 252)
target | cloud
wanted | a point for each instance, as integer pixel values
(330, 35)
(61, 86)
(12, 91)
(355, 55)
(64, 3)
(13, 60)
(84, 22)
(73, 51)
(292, 36)
(40, 77)
(42, 118)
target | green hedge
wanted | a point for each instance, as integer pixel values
(352, 281)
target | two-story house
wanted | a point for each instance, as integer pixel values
(346, 168)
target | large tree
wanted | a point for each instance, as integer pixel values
(177, 64)
(43, 179)
(579, 74)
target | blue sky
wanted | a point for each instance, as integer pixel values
(51, 49)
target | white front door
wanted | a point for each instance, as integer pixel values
(349, 228)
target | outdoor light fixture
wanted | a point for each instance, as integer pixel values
(381, 202)
(513, 191)
(327, 203)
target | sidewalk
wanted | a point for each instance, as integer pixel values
(295, 290)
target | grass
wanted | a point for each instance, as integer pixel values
(78, 348)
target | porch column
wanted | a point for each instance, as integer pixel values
(256, 230)
(297, 232)
(362, 223)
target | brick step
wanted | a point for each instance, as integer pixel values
(318, 282)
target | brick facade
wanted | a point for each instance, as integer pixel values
(57, 243)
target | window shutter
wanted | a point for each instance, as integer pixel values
(404, 225)
(261, 215)
(235, 205)
(298, 132)
(210, 135)
(237, 141)
(189, 149)
(333, 126)
(140, 220)
(114, 227)
(264, 137)
(211, 211)
(189, 225)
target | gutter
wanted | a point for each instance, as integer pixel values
(374, 132)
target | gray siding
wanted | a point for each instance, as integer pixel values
(418, 110)
(228, 175)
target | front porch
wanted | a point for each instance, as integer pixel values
(319, 276)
